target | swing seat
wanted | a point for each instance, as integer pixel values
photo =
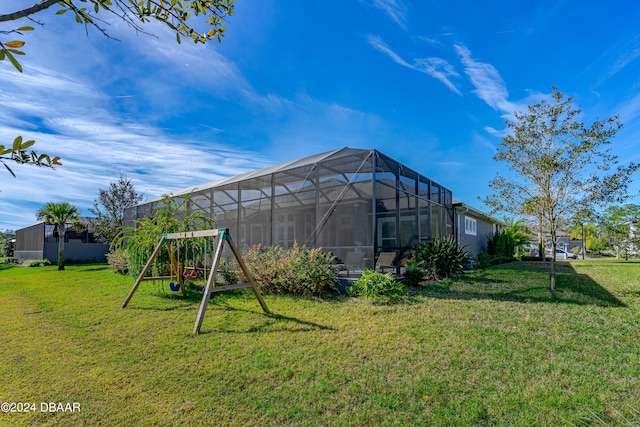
(174, 286)
(190, 272)
(213, 294)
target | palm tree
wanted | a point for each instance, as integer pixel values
(60, 214)
(586, 232)
(518, 234)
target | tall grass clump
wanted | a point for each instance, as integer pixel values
(374, 285)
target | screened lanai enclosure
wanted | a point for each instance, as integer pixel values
(354, 203)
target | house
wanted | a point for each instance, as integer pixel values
(40, 241)
(355, 203)
(474, 228)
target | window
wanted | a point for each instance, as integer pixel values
(470, 226)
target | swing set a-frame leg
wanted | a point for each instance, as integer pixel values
(217, 255)
(143, 273)
(247, 273)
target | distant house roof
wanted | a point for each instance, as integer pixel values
(462, 207)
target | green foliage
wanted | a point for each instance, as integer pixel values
(509, 241)
(500, 244)
(297, 271)
(228, 269)
(109, 209)
(172, 215)
(19, 152)
(442, 257)
(6, 246)
(597, 245)
(413, 273)
(376, 285)
(179, 16)
(60, 214)
(118, 260)
(37, 262)
(484, 260)
(615, 222)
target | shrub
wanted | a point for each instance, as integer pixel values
(483, 260)
(296, 271)
(442, 257)
(118, 259)
(413, 273)
(228, 269)
(37, 262)
(377, 285)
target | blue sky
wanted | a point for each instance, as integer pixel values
(429, 83)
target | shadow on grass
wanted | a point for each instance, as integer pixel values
(269, 322)
(526, 282)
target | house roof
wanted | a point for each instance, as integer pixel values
(462, 207)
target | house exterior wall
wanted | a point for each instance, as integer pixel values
(39, 241)
(29, 242)
(474, 243)
(76, 251)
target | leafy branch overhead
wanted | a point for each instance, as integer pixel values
(178, 15)
(20, 154)
(181, 16)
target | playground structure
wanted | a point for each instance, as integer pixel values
(222, 235)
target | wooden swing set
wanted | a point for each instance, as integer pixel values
(223, 236)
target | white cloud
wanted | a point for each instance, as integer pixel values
(381, 46)
(438, 68)
(489, 85)
(394, 9)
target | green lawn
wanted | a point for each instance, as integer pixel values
(493, 348)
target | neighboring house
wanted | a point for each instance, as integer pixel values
(563, 242)
(634, 234)
(474, 228)
(354, 203)
(40, 241)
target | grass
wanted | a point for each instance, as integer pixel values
(491, 348)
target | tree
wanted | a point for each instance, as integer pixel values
(177, 15)
(586, 232)
(581, 228)
(60, 214)
(616, 222)
(518, 233)
(109, 208)
(558, 167)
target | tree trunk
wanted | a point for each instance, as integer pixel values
(584, 243)
(62, 228)
(553, 263)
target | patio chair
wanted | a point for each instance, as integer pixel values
(386, 260)
(352, 262)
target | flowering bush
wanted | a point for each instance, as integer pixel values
(296, 271)
(118, 260)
